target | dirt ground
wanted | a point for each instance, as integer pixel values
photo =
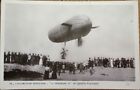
(99, 74)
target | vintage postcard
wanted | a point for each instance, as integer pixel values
(69, 44)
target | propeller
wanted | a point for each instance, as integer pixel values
(79, 42)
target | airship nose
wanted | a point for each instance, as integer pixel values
(50, 36)
(53, 37)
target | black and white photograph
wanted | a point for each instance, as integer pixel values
(70, 41)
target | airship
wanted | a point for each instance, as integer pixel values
(74, 28)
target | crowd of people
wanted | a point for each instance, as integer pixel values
(111, 62)
(25, 59)
(58, 67)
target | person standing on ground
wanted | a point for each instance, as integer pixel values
(46, 74)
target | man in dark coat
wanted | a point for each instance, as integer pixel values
(12, 57)
(54, 69)
(8, 57)
(5, 57)
(44, 59)
(46, 74)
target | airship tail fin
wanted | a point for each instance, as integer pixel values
(79, 42)
(94, 27)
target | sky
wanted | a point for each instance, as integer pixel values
(27, 26)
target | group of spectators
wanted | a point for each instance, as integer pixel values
(36, 59)
(72, 67)
(111, 62)
(25, 59)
